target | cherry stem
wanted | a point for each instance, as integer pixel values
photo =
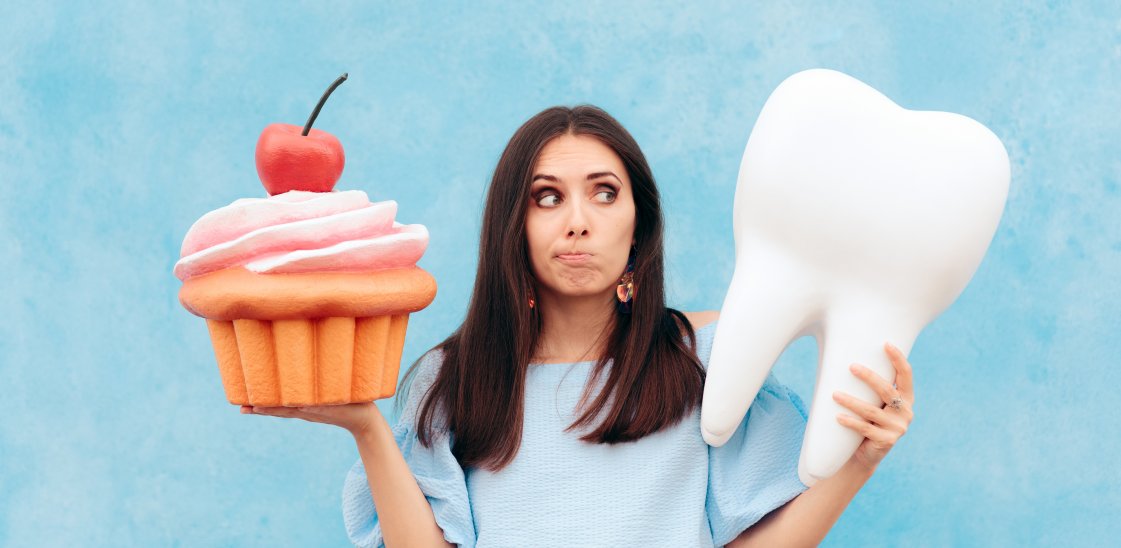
(315, 113)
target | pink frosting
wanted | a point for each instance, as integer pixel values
(301, 232)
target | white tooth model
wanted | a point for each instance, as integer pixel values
(857, 222)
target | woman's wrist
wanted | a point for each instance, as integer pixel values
(862, 465)
(366, 429)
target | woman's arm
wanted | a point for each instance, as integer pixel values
(805, 519)
(404, 513)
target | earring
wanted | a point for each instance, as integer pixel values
(532, 301)
(625, 291)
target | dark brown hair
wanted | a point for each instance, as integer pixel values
(655, 379)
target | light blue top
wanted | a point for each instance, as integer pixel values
(666, 489)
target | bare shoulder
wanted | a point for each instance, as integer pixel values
(701, 319)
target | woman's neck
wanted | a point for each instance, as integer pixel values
(573, 329)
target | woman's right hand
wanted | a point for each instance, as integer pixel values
(355, 418)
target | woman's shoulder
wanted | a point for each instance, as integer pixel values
(422, 373)
(428, 366)
(703, 323)
(703, 318)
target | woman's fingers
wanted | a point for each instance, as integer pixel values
(904, 378)
(287, 412)
(884, 389)
(872, 413)
(880, 436)
(352, 417)
(880, 385)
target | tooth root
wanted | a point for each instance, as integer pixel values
(854, 335)
(763, 311)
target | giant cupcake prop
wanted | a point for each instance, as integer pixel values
(306, 293)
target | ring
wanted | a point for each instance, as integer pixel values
(896, 403)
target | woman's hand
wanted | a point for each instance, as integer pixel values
(881, 426)
(356, 418)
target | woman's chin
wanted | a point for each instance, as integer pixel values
(585, 292)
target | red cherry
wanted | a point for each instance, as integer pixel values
(287, 160)
(291, 158)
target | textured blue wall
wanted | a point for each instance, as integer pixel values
(122, 124)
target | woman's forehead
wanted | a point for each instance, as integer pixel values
(578, 155)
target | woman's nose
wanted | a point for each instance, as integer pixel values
(577, 222)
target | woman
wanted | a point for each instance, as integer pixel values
(565, 409)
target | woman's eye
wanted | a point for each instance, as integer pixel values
(605, 196)
(548, 200)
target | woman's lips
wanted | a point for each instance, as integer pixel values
(574, 258)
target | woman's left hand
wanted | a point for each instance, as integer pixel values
(880, 426)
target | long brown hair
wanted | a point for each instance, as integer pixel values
(655, 379)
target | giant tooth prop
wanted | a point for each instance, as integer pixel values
(857, 222)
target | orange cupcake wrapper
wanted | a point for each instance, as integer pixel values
(300, 362)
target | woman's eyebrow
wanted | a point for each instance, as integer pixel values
(602, 174)
(590, 176)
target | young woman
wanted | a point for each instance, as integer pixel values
(565, 411)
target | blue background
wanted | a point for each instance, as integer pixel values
(121, 123)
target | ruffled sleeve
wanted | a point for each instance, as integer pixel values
(436, 470)
(756, 471)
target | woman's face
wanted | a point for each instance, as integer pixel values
(580, 222)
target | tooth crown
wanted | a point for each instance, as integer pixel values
(841, 177)
(858, 222)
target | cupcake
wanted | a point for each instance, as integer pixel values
(306, 293)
